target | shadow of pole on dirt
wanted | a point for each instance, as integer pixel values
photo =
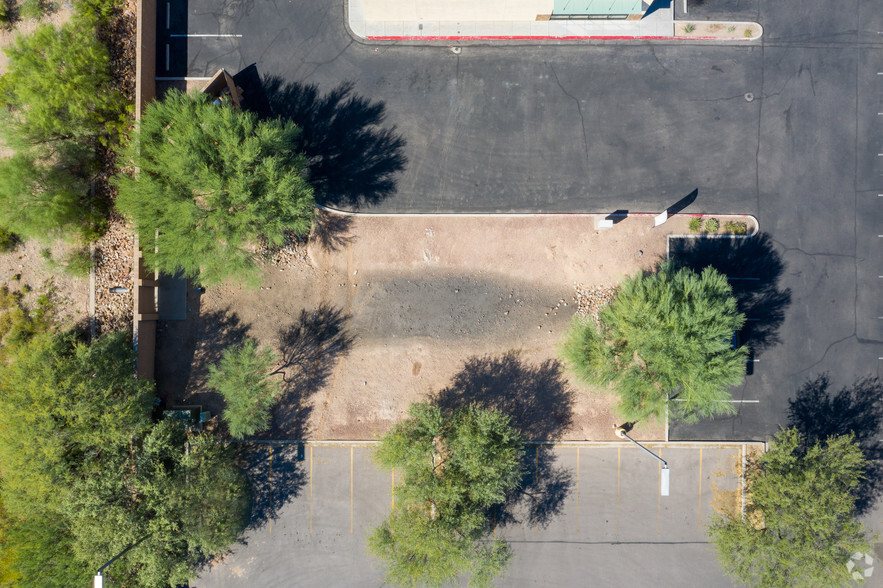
(753, 268)
(819, 413)
(353, 160)
(539, 403)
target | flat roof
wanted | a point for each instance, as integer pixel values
(575, 7)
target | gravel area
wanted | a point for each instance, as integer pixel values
(113, 270)
(591, 299)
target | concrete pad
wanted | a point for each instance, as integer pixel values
(455, 10)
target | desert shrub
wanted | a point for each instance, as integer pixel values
(712, 225)
(695, 224)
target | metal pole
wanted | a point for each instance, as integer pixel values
(647, 451)
(98, 580)
(664, 474)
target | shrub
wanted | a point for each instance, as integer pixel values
(736, 228)
(8, 240)
(695, 224)
(689, 28)
(712, 225)
(79, 262)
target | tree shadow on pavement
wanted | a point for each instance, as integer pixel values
(754, 269)
(276, 475)
(539, 402)
(819, 413)
(310, 348)
(353, 161)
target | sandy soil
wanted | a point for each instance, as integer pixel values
(389, 310)
(25, 265)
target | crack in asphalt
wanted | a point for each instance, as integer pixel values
(578, 108)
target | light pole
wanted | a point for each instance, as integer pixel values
(98, 580)
(663, 480)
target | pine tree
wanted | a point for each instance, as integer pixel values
(666, 336)
(242, 378)
(213, 181)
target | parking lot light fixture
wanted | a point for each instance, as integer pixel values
(664, 474)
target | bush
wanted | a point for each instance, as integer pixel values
(79, 262)
(712, 225)
(8, 240)
(695, 224)
(736, 228)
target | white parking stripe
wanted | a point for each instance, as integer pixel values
(205, 35)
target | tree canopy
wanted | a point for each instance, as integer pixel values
(457, 465)
(242, 377)
(57, 104)
(59, 87)
(84, 472)
(663, 336)
(799, 527)
(213, 182)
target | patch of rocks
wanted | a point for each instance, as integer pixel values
(114, 282)
(591, 299)
(292, 252)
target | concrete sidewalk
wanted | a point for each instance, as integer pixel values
(658, 25)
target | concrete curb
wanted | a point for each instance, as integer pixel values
(543, 214)
(737, 24)
(612, 444)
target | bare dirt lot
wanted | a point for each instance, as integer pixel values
(380, 311)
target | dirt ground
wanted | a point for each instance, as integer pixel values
(381, 311)
(25, 266)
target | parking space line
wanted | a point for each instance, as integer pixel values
(311, 488)
(213, 35)
(659, 497)
(536, 478)
(270, 447)
(699, 528)
(167, 56)
(351, 489)
(577, 490)
(618, 464)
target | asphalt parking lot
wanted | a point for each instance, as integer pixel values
(602, 502)
(787, 129)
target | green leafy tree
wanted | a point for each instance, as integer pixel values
(180, 497)
(457, 466)
(799, 528)
(57, 104)
(243, 378)
(664, 336)
(41, 200)
(63, 402)
(59, 87)
(85, 473)
(213, 182)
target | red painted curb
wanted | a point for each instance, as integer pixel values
(545, 38)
